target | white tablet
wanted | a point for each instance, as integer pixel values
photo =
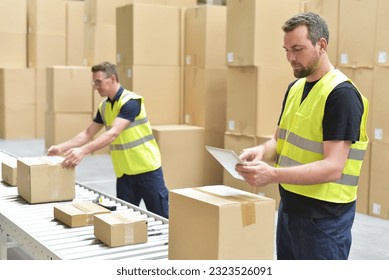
(227, 158)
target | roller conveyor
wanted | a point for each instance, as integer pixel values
(34, 229)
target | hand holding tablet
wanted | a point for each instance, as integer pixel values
(228, 159)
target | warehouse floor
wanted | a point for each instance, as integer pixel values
(370, 234)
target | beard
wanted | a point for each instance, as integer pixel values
(305, 71)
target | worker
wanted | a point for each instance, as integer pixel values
(317, 149)
(134, 151)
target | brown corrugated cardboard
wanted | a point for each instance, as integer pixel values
(75, 33)
(182, 151)
(205, 36)
(160, 86)
(379, 112)
(65, 84)
(148, 35)
(63, 126)
(382, 34)
(254, 98)
(46, 17)
(254, 28)
(220, 222)
(9, 171)
(120, 228)
(379, 189)
(78, 214)
(43, 179)
(13, 17)
(351, 13)
(13, 50)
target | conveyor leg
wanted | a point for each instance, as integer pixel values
(3, 245)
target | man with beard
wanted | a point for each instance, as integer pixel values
(318, 149)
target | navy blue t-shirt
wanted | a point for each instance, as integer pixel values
(129, 111)
(342, 117)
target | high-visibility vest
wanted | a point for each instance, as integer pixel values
(135, 150)
(300, 140)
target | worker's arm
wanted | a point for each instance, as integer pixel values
(258, 173)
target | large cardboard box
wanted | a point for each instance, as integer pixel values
(174, 142)
(45, 50)
(254, 98)
(205, 97)
(219, 222)
(254, 28)
(9, 171)
(237, 143)
(351, 14)
(78, 214)
(43, 179)
(63, 126)
(46, 17)
(75, 33)
(13, 17)
(65, 84)
(379, 112)
(205, 36)
(13, 49)
(120, 228)
(161, 88)
(329, 10)
(148, 35)
(379, 189)
(382, 34)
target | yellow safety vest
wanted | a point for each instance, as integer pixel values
(300, 140)
(135, 150)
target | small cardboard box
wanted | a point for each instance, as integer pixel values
(9, 171)
(78, 214)
(219, 222)
(120, 228)
(43, 179)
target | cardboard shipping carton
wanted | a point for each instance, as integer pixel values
(78, 214)
(120, 228)
(43, 179)
(220, 222)
(9, 171)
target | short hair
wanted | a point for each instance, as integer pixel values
(317, 26)
(107, 67)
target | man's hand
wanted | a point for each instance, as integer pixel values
(73, 157)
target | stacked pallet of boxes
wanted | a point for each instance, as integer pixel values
(257, 78)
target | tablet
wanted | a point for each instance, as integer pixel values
(227, 158)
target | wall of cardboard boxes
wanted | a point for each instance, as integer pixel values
(210, 74)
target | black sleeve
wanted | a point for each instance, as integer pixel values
(343, 114)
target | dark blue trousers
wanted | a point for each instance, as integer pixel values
(305, 238)
(149, 186)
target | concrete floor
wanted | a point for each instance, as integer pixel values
(370, 234)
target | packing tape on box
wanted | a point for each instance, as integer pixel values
(129, 234)
(89, 214)
(247, 205)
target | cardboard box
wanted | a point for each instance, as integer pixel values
(161, 88)
(379, 112)
(148, 35)
(75, 33)
(182, 152)
(379, 190)
(120, 228)
(9, 171)
(63, 126)
(254, 98)
(254, 28)
(351, 13)
(382, 35)
(43, 179)
(46, 17)
(65, 84)
(205, 36)
(219, 222)
(78, 214)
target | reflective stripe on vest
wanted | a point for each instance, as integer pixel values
(300, 140)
